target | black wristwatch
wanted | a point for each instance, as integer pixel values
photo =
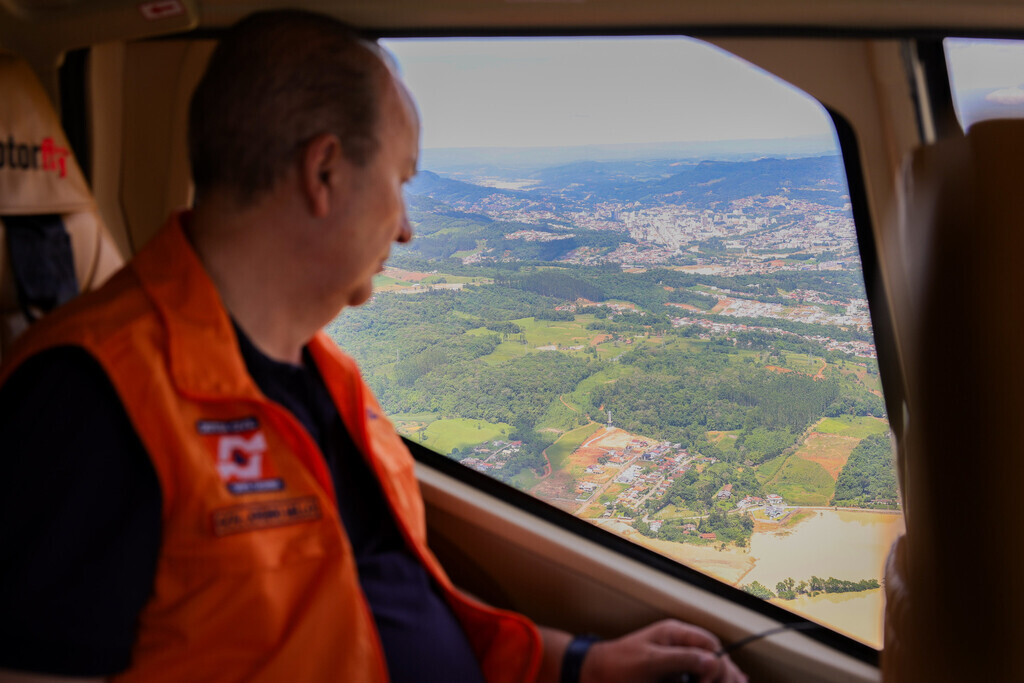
(572, 660)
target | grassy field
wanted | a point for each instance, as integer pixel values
(478, 332)
(768, 470)
(446, 435)
(802, 482)
(726, 441)
(559, 332)
(800, 363)
(563, 333)
(692, 345)
(505, 351)
(610, 350)
(456, 279)
(716, 437)
(559, 417)
(612, 492)
(382, 281)
(581, 394)
(413, 417)
(672, 512)
(558, 452)
(871, 381)
(525, 480)
(849, 425)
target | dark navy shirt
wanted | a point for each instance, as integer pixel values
(80, 525)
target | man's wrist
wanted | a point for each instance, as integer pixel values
(572, 660)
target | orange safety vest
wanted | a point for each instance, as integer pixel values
(256, 580)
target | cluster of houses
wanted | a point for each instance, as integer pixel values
(713, 327)
(774, 505)
(649, 471)
(643, 479)
(491, 456)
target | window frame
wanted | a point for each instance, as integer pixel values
(889, 373)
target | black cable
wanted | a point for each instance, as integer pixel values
(732, 647)
(795, 626)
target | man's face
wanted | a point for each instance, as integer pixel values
(374, 216)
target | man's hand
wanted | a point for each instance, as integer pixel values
(657, 652)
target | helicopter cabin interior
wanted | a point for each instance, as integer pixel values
(932, 215)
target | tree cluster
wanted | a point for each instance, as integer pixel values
(869, 475)
(789, 589)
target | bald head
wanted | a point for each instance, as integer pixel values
(276, 81)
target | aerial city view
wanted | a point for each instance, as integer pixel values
(635, 292)
(678, 350)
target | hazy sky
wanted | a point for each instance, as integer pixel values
(580, 91)
(987, 78)
(985, 63)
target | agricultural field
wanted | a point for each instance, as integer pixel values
(445, 436)
(851, 425)
(829, 451)
(385, 283)
(559, 452)
(802, 482)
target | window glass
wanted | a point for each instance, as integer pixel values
(635, 292)
(986, 77)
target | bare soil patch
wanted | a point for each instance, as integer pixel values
(722, 305)
(821, 371)
(407, 275)
(715, 437)
(831, 451)
(559, 490)
(601, 443)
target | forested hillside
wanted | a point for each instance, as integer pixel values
(869, 478)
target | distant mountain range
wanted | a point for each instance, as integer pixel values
(819, 179)
(448, 190)
(513, 160)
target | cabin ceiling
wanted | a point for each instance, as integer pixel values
(49, 27)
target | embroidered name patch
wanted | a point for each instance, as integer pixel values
(238, 426)
(241, 518)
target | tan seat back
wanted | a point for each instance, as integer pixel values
(955, 588)
(39, 176)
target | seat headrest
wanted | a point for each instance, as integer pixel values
(38, 172)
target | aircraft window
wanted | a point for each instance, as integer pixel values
(986, 78)
(635, 292)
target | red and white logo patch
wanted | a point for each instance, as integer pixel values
(240, 448)
(240, 458)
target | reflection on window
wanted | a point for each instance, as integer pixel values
(986, 77)
(635, 292)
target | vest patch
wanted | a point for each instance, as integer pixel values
(240, 453)
(236, 426)
(241, 518)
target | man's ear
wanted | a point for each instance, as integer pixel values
(322, 167)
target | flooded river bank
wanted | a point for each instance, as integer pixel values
(846, 544)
